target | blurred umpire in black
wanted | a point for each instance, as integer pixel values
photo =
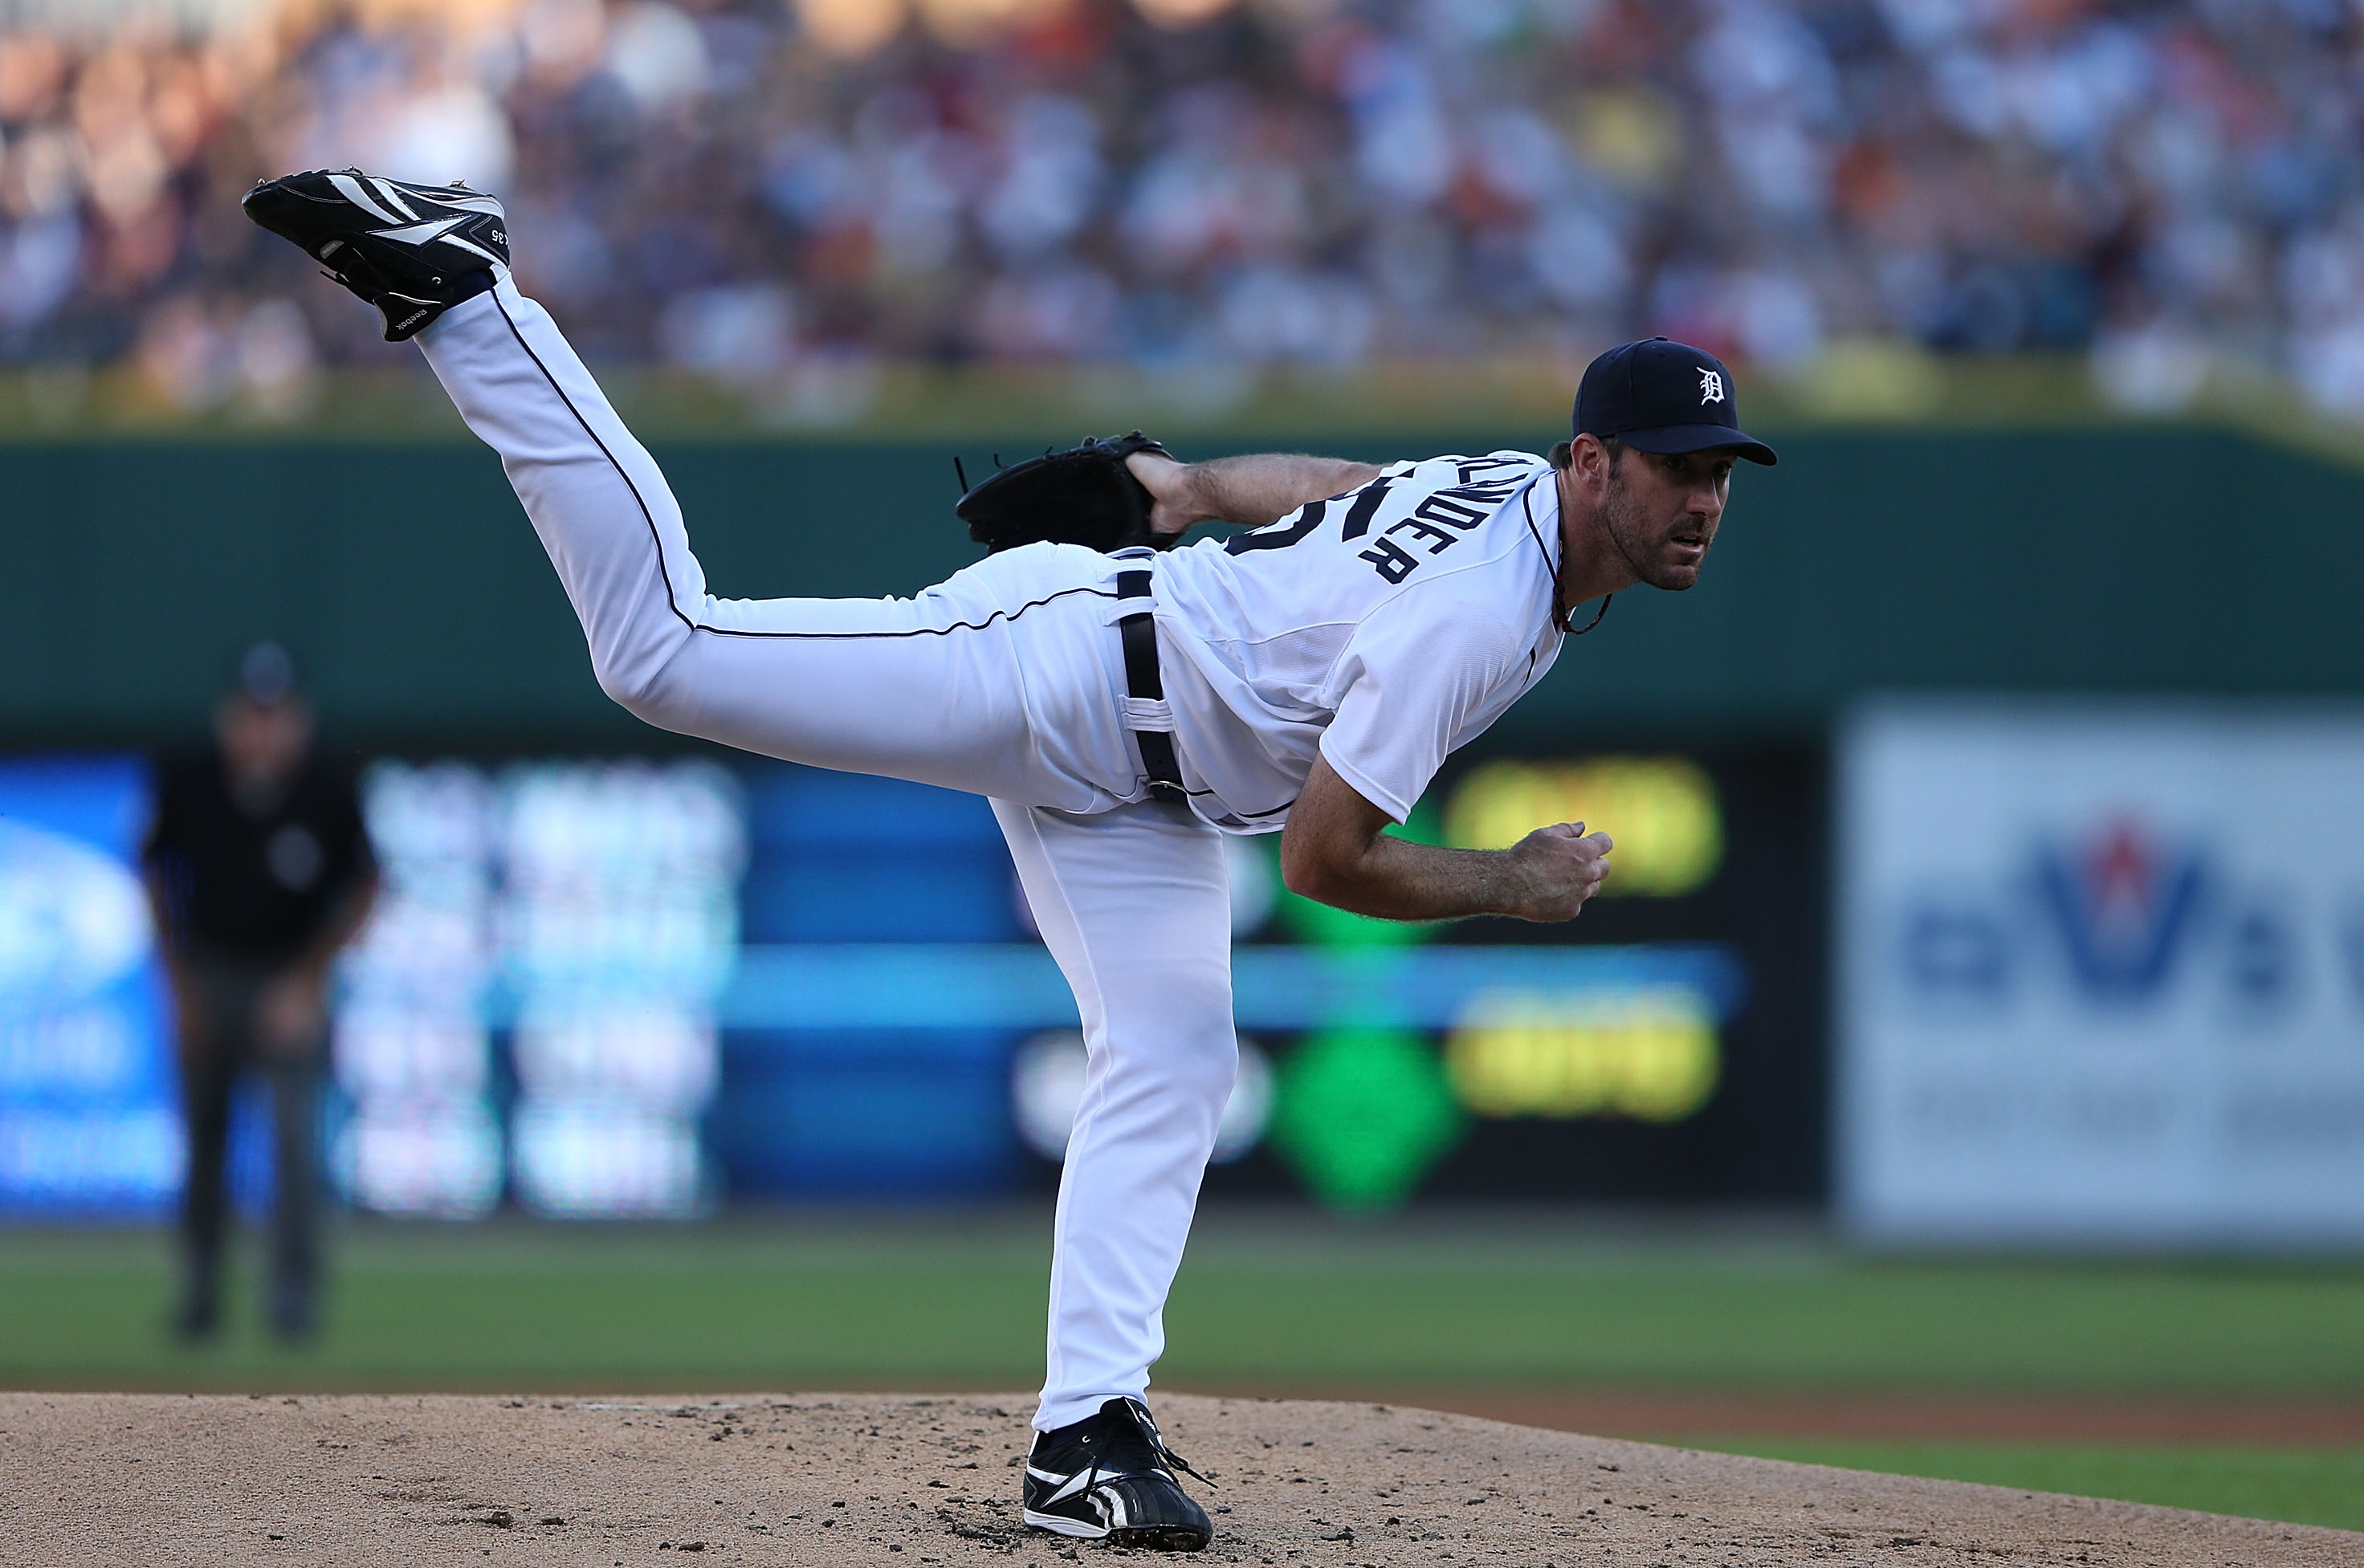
(260, 871)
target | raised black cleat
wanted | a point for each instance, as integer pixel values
(412, 250)
(1111, 1477)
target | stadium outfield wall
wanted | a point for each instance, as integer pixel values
(2115, 561)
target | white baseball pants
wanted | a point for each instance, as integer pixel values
(1005, 680)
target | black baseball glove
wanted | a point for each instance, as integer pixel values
(1083, 495)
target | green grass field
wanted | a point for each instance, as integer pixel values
(2305, 1486)
(1280, 1302)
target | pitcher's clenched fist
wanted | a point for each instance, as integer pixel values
(1555, 869)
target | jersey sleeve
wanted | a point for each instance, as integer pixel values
(166, 829)
(1412, 676)
(352, 856)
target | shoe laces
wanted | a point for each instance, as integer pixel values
(1144, 1429)
(1147, 1427)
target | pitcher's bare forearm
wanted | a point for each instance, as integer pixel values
(1334, 851)
(1255, 490)
(1268, 487)
(1395, 879)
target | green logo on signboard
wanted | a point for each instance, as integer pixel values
(1362, 1114)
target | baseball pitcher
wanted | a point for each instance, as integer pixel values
(1123, 708)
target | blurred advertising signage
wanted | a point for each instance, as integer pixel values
(87, 1125)
(2102, 974)
(618, 987)
(619, 917)
(593, 908)
(1649, 1052)
(1662, 811)
(410, 1049)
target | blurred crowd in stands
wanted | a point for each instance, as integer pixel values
(738, 187)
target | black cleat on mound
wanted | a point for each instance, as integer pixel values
(412, 250)
(1111, 1477)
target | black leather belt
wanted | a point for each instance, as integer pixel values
(1141, 680)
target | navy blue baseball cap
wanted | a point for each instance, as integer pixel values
(265, 675)
(1663, 397)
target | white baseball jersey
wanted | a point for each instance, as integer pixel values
(1382, 628)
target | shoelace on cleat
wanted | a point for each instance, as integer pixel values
(1148, 1428)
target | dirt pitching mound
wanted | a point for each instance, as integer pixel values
(389, 1482)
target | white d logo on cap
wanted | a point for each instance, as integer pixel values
(1711, 386)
